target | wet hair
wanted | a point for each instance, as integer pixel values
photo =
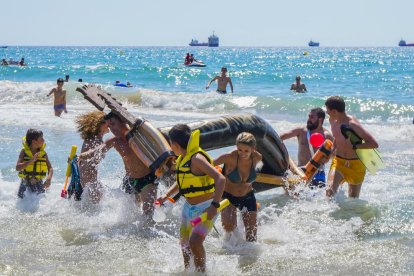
(335, 102)
(33, 134)
(112, 115)
(59, 80)
(89, 124)
(246, 138)
(180, 134)
(319, 112)
(297, 77)
(224, 68)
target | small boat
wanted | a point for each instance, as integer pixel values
(196, 63)
(402, 43)
(3, 47)
(313, 44)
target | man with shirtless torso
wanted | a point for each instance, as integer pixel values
(305, 152)
(346, 167)
(59, 102)
(298, 86)
(139, 179)
(222, 82)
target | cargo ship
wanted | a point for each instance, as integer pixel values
(213, 41)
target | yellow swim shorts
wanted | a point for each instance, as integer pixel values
(352, 170)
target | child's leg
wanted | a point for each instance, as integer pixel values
(197, 249)
(22, 189)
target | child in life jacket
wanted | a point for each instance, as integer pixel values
(33, 164)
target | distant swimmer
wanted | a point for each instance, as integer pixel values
(346, 165)
(33, 164)
(222, 82)
(298, 86)
(59, 102)
(4, 62)
(21, 62)
(66, 78)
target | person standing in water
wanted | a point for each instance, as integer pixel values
(298, 86)
(240, 171)
(139, 180)
(222, 82)
(202, 186)
(33, 164)
(92, 127)
(346, 166)
(59, 102)
(305, 152)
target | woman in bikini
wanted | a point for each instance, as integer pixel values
(240, 171)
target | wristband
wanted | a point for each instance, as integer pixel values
(215, 204)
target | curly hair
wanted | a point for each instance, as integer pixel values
(89, 124)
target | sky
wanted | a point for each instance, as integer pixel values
(176, 22)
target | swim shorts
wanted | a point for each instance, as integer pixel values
(352, 170)
(190, 212)
(248, 201)
(221, 91)
(136, 185)
(319, 180)
(59, 107)
(33, 185)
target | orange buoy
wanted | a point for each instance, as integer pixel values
(313, 165)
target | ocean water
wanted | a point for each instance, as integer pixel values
(297, 235)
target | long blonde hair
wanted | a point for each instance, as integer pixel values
(89, 124)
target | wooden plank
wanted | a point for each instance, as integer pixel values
(276, 180)
(100, 99)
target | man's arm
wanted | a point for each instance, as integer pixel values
(64, 101)
(292, 87)
(231, 85)
(290, 134)
(369, 141)
(103, 148)
(51, 92)
(304, 88)
(208, 85)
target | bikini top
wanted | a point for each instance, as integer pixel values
(234, 176)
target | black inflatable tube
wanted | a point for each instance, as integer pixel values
(222, 132)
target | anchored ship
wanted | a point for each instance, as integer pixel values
(313, 44)
(213, 41)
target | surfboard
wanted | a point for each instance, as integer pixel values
(371, 158)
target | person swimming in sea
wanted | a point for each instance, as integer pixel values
(59, 102)
(222, 82)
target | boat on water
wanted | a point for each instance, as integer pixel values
(213, 41)
(3, 47)
(402, 43)
(196, 63)
(313, 44)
